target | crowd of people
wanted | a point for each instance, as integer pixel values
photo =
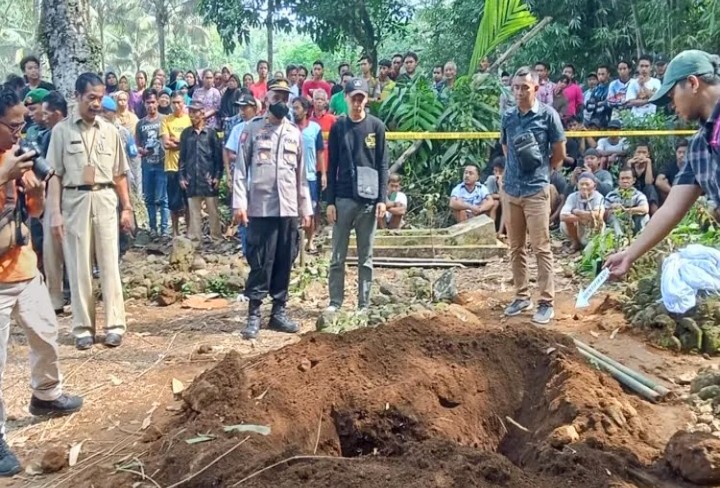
(69, 181)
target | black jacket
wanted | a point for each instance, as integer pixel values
(200, 161)
(351, 145)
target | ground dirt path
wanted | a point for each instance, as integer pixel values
(128, 390)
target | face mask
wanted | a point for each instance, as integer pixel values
(279, 109)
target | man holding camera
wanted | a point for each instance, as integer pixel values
(22, 291)
(533, 141)
(88, 157)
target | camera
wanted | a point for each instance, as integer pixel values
(41, 168)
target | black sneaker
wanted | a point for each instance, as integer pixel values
(64, 405)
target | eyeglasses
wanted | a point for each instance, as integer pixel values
(14, 129)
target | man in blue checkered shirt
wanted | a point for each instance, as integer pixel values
(692, 82)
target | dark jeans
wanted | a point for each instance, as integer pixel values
(155, 193)
(272, 246)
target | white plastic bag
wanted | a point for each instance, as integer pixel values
(686, 272)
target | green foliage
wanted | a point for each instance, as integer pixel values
(698, 226)
(363, 23)
(235, 19)
(471, 106)
(219, 285)
(502, 20)
(413, 107)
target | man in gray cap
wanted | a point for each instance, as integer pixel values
(271, 151)
(692, 83)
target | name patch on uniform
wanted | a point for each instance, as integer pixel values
(75, 142)
(370, 141)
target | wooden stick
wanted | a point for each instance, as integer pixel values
(509, 419)
(317, 439)
(142, 475)
(174, 485)
(293, 458)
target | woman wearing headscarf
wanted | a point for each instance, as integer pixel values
(181, 86)
(175, 75)
(111, 82)
(191, 79)
(164, 101)
(227, 103)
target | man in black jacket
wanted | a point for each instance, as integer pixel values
(200, 170)
(357, 186)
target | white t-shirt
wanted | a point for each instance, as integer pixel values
(400, 198)
(652, 84)
(605, 145)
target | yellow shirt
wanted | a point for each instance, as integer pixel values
(173, 126)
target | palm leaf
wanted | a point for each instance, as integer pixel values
(501, 20)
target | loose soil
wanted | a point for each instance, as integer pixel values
(444, 399)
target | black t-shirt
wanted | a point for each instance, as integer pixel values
(573, 150)
(670, 171)
(351, 145)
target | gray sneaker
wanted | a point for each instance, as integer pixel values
(544, 314)
(518, 306)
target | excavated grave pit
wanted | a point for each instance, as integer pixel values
(423, 402)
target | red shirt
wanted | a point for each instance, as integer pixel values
(311, 85)
(325, 121)
(574, 96)
(259, 90)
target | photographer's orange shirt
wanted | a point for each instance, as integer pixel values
(19, 263)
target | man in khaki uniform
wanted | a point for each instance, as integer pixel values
(91, 175)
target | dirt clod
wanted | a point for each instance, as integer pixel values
(54, 459)
(305, 365)
(563, 435)
(695, 456)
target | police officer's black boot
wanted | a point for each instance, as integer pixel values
(279, 320)
(254, 320)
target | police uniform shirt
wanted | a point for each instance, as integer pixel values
(274, 156)
(84, 154)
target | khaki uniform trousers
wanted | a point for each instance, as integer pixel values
(29, 303)
(91, 229)
(53, 264)
(195, 217)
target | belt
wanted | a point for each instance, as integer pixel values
(95, 187)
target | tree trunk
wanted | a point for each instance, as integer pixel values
(269, 27)
(67, 42)
(101, 22)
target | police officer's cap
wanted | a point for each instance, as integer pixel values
(246, 100)
(279, 84)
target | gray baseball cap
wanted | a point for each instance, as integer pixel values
(687, 63)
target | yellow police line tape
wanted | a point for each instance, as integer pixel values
(414, 136)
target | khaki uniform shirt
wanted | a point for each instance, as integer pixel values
(83, 154)
(270, 179)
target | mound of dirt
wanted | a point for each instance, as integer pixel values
(432, 400)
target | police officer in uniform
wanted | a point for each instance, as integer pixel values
(270, 195)
(88, 157)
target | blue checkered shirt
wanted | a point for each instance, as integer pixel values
(702, 163)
